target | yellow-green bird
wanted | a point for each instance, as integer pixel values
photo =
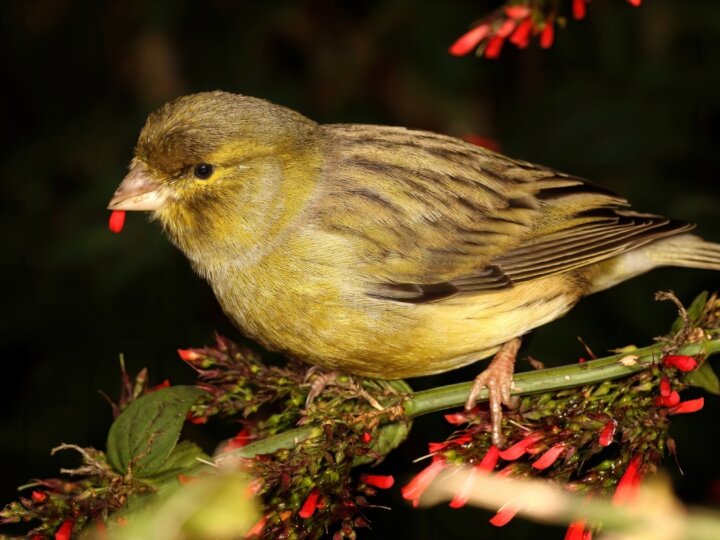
(384, 251)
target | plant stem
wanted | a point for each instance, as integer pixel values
(532, 382)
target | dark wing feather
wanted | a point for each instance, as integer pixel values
(435, 216)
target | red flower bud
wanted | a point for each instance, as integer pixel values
(690, 406)
(517, 11)
(494, 47)
(366, 437)
(547, 36)
(257, 529)
(665, 388)
(238, 441)
(549, 457)
(490, 459)
(504, 515)
(39, 496)
(608, 433)
(521, 36)
(310, 504)
(188, 355)
(470, 40)
(669, 401)
(377, 480)
(64, 532)
(680, 361)
(635, 3)
(117, 221)
(578, 9)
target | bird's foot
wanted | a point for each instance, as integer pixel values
(497, 378)
(322, 380)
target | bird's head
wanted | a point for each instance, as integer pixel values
(209, 163)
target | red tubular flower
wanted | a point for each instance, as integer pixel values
(39, 496)
(549, 457)
(576, 531)
(665, 388)
(378, 480)
(520, 448)
(635, 3)
(629, 483)
(438, 446)
(504, 515)
(490, 459)
(470, 40)
(506, 28)
(518, 11)
(310, 504)
(494, 47)
(420, 482)
(257, 529)
(64, 532)
(680, 361)
(579, 9)
(521, 36)
(117, 221)
(690, 406)
(238, 441)
(547, 36)
(608, 433)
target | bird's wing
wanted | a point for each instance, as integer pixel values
(434, 216)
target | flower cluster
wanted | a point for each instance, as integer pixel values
(517, 22)
(599, 439)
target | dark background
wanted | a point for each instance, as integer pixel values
(629, 97)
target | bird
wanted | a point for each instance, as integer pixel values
(384, 251)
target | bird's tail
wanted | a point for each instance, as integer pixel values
(684, 250)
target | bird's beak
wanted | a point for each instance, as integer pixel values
(138, 191)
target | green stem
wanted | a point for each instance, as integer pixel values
(532, 382)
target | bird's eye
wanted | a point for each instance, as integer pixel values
(203, 171)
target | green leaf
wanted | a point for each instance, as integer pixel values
(704, 377)
(143, 436)
(182, 460)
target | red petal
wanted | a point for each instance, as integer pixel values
(490, 459)
(518, 449)
(470, 40)
(547, 36)
(420, 482)
(665, 388)
(65, 530)
(521, 36)
(549, 457)
(238, 441)
(504, 515)
(378, 480)
(680, 361)
(117, 221)
(635, 3)
(608, 433)
(310, 504)
(578, 9)
(628, 485)
(576, 531)
(690, 406)
(506, 28)
(461, 497)
(517, 11)
(494, 47)
(257, 529)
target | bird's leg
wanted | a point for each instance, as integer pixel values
(497, 378)
(319, 384)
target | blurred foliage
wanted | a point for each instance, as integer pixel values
(629, 97)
